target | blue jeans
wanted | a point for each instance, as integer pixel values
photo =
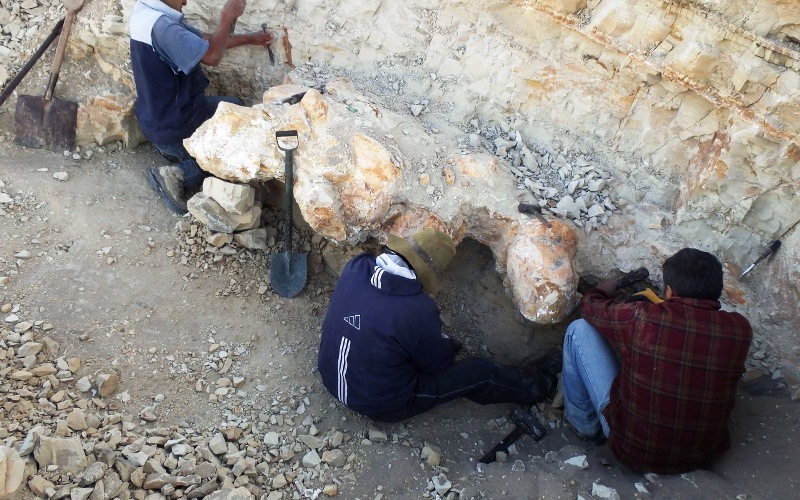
(174, 152)
(480, 380)
(590, 366)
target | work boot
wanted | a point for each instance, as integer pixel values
(596, 439)
(168, 183)
(550, 363)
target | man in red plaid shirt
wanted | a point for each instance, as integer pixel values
(657, 380)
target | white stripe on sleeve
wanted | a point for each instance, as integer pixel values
(375, 280)
(344, 351)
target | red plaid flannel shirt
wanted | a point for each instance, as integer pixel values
(680, 363)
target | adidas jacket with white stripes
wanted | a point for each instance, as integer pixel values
(380, 331)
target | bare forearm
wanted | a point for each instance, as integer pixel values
(218, 42)
(239, 40)
(235, 40)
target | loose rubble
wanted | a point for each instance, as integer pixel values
(78, 438)
(73, 437)
(565, 184)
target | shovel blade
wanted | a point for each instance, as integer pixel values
(39, 123)
(287, 273)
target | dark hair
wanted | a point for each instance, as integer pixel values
(692, 273)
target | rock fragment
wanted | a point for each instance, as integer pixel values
(12, 470)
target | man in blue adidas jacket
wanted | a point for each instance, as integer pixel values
(170, 85)
(383, 353)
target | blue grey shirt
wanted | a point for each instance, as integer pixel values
(170, 85)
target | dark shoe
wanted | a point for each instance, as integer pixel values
(550, 363)
(168, 183)
(456, 345)
(596, 439)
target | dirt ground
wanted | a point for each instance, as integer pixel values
(105, 270)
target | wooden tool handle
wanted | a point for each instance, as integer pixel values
(12, 85)
(72, 6)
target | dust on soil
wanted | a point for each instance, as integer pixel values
(105, 270)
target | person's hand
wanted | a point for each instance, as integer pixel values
(234, 8)
(261, 38)
(608, 285)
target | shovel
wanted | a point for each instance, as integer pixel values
(45, 121)
(12, 85)
(287, 271)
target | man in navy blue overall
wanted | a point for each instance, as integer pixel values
(170, 85)
(383, 353)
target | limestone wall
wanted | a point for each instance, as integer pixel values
(692, 105)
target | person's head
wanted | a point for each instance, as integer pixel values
(428, 251)
(175, 4)
(692, 273)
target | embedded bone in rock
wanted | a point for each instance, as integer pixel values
(356, 177)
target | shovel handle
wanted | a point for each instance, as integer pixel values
(289, 181)
(33, 60)
(73, 6)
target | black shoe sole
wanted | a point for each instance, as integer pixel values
(598, 439)
(156, 182)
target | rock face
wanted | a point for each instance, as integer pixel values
(354, 180)
(690, 104)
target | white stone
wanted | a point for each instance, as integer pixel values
(311, 459)
(12, 471)
(601, 491)
(232, 197)
(272, 438)
(578, 461)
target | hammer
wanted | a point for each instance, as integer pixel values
(535, 210)
(524, 423)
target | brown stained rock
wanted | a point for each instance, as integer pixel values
(39, 485)
(315, 106)
(76, 420)
(108, 118)
(540, 272)
(107, 383)
(74, 364)
(335, 458)
(22, 375)
(44, 370)
(367, 193)
(449, 176)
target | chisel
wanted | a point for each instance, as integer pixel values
(269, 49)
(771, 249)
(535, 210)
